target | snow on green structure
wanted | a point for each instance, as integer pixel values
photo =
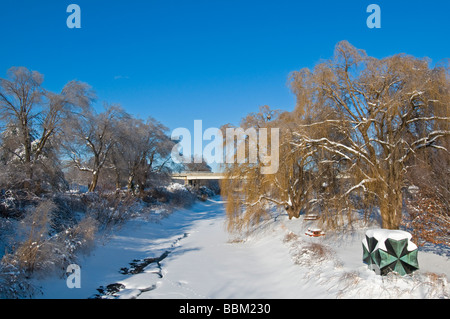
(387, 250)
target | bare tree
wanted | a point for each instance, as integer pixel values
(33, 115)
(20, 95)
(140, 152)
(89, 137)
(155, 159)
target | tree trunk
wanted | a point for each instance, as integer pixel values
(141, 189)
(26, 143)
(130, 183)
(118, 185)
(391, 208)
(292, 212)
(27, 148)
(93, 184)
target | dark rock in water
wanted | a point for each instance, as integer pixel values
(138, 265)
(108, 290)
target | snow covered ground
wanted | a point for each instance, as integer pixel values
(191, 255)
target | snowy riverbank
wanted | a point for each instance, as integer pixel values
(190, 255)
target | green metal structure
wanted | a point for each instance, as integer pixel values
(386, 251)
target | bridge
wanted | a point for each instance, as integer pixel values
(189, 178)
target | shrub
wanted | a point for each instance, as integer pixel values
(112, 209)
(429, 219)
(13, 280)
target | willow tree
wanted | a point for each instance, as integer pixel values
(250, 192)
(388, 109)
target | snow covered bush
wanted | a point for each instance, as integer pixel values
(13, 281)
(110, 209)
(36, 248)
(77, 239)
(311, 254)
(33, 252)
(174, 195)
(428, 219)
(69, 209)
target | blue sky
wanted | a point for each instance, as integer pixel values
(211, 60)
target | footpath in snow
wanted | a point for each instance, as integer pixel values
(190, 254)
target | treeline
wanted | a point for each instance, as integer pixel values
(49, 140)
(53, 144)
(367, 134)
